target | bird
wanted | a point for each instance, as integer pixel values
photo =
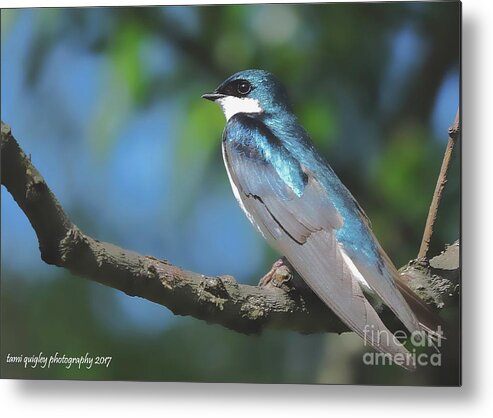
(293, 197)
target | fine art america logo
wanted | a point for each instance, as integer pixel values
(420, 341)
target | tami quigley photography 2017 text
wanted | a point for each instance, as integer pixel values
(43, 361)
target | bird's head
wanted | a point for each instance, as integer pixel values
(250, 91)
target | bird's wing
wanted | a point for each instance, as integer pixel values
(302, 225)
(381, 278)
(393, 290)
(386, 281)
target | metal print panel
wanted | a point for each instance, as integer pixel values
(238, 193)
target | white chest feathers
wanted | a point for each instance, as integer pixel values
(232, 105)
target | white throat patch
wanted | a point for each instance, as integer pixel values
(232, 105)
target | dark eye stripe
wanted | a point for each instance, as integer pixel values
(238, 88)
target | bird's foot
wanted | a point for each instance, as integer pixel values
(277, 275)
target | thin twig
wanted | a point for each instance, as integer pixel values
(453, 134)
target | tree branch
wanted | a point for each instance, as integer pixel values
(220, 300)
(453, 134)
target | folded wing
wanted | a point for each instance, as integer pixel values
(301, 223)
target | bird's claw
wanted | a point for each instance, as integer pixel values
(277, 275)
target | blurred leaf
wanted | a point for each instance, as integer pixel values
(202, 129)
(47, 38)
(109, 116)
(320, 119)
(402, 173)
(8, 19)
(126, 57)
(233, 52)
(199, 142)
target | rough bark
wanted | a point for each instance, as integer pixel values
(220, 300)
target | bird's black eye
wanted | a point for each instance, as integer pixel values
(244, 87)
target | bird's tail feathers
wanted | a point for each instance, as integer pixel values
(430, 323)
(320, 256)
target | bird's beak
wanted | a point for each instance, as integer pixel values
(212, 96)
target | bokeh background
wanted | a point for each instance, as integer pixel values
(107, 102)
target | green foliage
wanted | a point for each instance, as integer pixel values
(125, 54)
(403, 169)
(320, 118)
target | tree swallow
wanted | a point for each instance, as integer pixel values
(299, 205)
